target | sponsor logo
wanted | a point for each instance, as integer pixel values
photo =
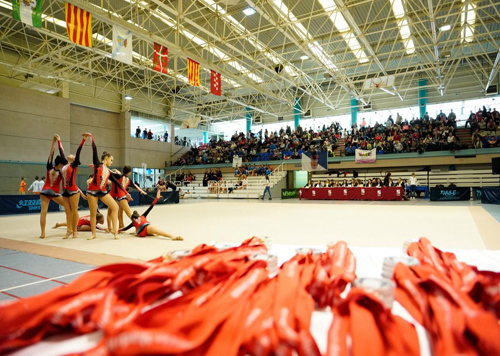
(398, 192)
(329, 193)
(289, 193)
(31, 204)
(449, 193)
(379, 193)
(313, 193)
(362, 192)
(345, 191)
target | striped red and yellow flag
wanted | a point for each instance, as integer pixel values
(79, 25)
(193, 72)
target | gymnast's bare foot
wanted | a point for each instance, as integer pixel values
(75, 235)
(68, 234)
(91, 237)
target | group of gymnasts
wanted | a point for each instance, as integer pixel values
(63, 170)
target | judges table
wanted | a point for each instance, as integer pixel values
(352, 193)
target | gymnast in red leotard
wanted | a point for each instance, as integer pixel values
(51, 188)
(144, 228)
(83, 223)
(71, 191)
(120, 197)
(98, 189)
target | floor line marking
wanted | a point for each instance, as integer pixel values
(30, 274)
(11, 295)
(44, 280)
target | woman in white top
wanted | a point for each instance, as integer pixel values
(413, 185)
(267, 189)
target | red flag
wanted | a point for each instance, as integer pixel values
(215, 83)
(160, 61)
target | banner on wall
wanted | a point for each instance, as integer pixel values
(366, 156)
(491, 195)
(314, 161)
(237, 161)
(23, 204)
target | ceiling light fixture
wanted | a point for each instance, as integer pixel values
(445, 28)
(249, 11)
(128, 97)
(304, 57)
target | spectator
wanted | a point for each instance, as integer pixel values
(145, 133)
(138, 132)
(387, 179)
(150, 135)
(165, 136)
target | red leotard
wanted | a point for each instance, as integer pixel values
(53, 181)
(99, 184)
(116, 192)
(141, 226)
(68, 172)
(83, 221)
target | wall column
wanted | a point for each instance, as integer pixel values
(422, 97)
(296, 113)
(354, 111)
(249, 119)
(205, 136)
(171, 133)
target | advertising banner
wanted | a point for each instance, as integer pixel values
(23, 204)
(448, 194)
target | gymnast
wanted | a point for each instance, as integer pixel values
(144, 228)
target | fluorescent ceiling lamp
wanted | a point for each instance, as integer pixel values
(304, 57)
(128, 97)
(398, 8)
(445, 28)
(388, 91)
(249, 11)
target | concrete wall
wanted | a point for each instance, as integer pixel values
(29, 119)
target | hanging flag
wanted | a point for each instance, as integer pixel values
(215, 84)
(28, 11)
(160, 61)
(122, 45)
(79, 25)
(193, 72)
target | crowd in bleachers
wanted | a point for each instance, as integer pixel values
(484, 128)
(396, 135)
(264, 146)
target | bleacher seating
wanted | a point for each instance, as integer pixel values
(253, 190)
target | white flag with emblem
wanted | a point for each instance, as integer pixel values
(122, 45)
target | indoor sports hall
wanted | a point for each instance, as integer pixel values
(249, 177)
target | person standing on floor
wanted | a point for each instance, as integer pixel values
(22, 186)
(267, 189)
(35, 186)
(413, 185)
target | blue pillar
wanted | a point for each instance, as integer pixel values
(249, 119)
(354, 111)
(205, 136)
(296, 113)
(422, 97)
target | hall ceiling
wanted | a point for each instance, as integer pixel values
(261, 57)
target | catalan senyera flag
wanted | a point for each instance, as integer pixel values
(79, 25)
(193, 72)
(160, 60)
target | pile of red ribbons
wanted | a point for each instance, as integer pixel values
(223, 302)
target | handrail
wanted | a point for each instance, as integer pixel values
(175, 173)
(280, 168)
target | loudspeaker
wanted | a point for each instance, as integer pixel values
(495, 165)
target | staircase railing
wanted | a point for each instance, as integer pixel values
(274, 174)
